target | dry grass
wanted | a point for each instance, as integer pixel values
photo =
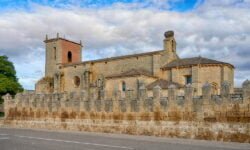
(11, 114)
(104, 116)
(130, 130)
(158, 115)
(93, 115)
(117, 119)
(82, 115)
(189, 116)
(24, 114)
(64, 116)
(64, 125)
(174, 133)
(72, 115)
(131, 116)
(233, 137)
(174, 116)
(117, 116)
(31, 113)
(147, 132)
(239, 137)
(38, 113)
(45, 114)
(145, 116)
(205, 134)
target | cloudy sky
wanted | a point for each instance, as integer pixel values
(217, 29)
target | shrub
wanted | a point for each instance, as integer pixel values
(1, 114)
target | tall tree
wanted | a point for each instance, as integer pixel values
(8, 80)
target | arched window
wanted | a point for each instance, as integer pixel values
(69, 56)
(123, 86)
(77, 81)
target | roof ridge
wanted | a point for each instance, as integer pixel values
(193, 61)
(131, 72)
(115, 57)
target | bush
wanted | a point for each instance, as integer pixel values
(8, 80)
(1, 114)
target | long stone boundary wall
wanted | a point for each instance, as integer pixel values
(223, 117)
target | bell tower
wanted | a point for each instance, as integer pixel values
(169, 42)
(169, 45)
(60, 51)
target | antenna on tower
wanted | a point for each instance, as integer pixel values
(57, 35)
(46, 37)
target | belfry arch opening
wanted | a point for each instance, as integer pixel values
(69, 56)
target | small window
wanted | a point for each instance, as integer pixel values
(69, 56)
(77, 81)
(55, 53)
(188, 79)
(123, 86)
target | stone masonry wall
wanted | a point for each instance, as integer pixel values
(223, 117)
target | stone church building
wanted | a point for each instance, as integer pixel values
(66, 72)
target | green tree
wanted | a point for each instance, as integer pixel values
(8, 80)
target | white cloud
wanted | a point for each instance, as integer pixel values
(215, 30)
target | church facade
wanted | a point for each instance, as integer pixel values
(66, 72)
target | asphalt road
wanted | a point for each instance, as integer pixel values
(27, 139)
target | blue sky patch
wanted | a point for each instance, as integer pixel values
(173, 5)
